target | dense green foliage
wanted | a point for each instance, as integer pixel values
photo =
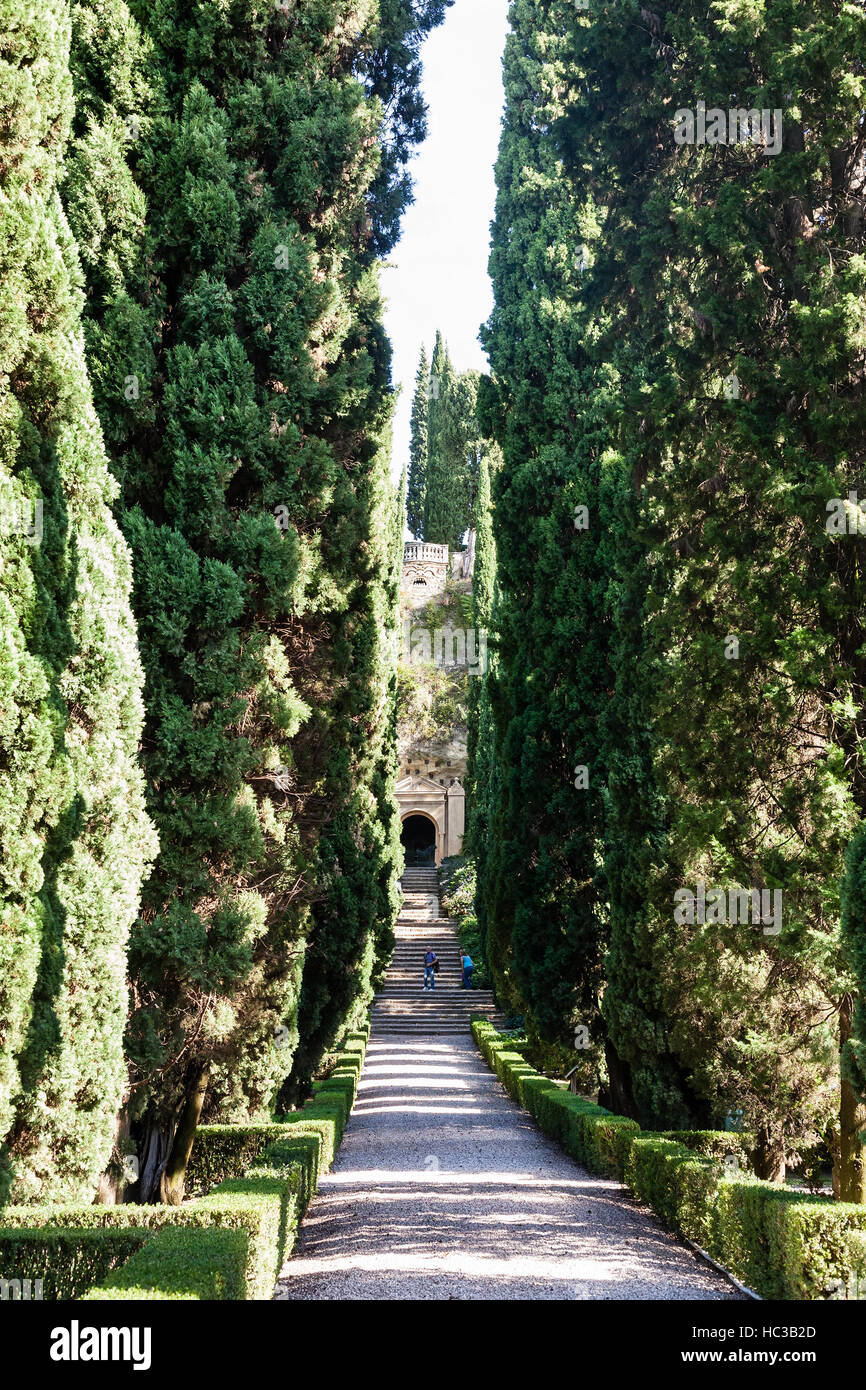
(454, 449)
(416, 485)
(74, 838)
(66, 1262)
(481, 765)
(457, 886)
(541, 890)
(446, 451)
(677, 348)
(257, 164)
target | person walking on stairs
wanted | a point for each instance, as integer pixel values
(468, 966)
(431, 961)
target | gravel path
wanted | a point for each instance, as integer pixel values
(444, 1188)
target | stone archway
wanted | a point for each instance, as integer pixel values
(419, 836)
(444, 806)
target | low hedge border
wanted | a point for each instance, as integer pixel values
(66, 1262)
(264, 1207)
(182, 1263)
(251, 1185)
(783, 1244)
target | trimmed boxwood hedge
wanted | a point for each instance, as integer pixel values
(68, 1262)
(182, 1263)
(228, 1244)
(781, 1243)
(225, 1151)
(264, 1207)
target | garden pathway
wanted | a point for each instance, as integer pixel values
(445, 1189)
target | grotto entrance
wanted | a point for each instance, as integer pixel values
(418, 837)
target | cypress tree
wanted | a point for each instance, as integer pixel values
(417, 484)
(454, 449)
(441, 382)
(741, 605)
(597, 343)
(480, 759)
(851, 1168)
(255, 496)
(542, 887)
(74, 838)
(483, 579)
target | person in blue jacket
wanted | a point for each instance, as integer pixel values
(430, 961)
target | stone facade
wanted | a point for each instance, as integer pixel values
(444, 806)
(431, 776)
(425, 570)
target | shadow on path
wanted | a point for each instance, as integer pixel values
(445, 1189)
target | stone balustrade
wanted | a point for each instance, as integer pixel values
(415, 551)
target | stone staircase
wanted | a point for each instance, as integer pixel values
(403, 1007)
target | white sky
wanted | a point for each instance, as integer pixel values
(437, 274)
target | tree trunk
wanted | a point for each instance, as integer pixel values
(112, 1185)
(154, 1152)
(619, 1096)
(849, 1172)
(769, 1155)
(174, 1174)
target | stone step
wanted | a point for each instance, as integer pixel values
(407, 945)
(411, 950)
(414, 968)
(402, 1008)
(449, 994)
(412, 959)
(445, 978)
(431, 1021)
(416, 1015)
(407, 1008)
(415, 965)
(413, 975)
(454, 996)
(448, 960)
(425, 1030)
(424, 1027)
(416, 962)
(432, 1011)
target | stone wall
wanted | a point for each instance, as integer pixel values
(424, 573)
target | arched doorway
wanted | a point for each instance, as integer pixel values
(418, 838)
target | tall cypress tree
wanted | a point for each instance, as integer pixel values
(737, 619)
(441, 382)
(454, 449)
(542, 888)
(244, 380)
(417, 485)
(480, 757)
(777, 245)
(483, 579)
(74, 838)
